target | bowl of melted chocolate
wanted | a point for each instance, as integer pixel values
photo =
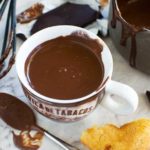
(130, 30)
(65, 72)
(66, 67)
(62, 72)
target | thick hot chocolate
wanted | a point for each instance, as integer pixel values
(133, 16)
(19, 116)
(16, 113)
(136, 12)
(66, 67)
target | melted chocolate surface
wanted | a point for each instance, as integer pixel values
(16, 113)
(66, 67)
(136, 12)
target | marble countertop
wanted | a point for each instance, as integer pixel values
(71, 132)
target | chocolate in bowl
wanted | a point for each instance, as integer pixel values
(66, 67)
(129, 29)
(75, 109)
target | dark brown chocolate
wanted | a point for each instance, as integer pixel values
(20, 116)
(136, 12)
(133, 18)
(25, 141)
(31, 13)
(66, 14)
(66, 67)
(16, 113)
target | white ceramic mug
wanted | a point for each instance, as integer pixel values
(75, 109)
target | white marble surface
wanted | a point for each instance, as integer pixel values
(71, 132)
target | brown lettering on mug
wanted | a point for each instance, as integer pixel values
(41, 106)
(47, 109)
(63, 113)
(34, 102)
(69, 112)
(82, 111)
(86, 110)
(29, 98)
(57, 111)
(90, 109)
(50, 110)
(75, 113)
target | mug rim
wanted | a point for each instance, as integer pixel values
(62, 101)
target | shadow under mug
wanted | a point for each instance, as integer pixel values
(75, 109)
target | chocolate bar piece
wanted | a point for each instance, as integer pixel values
(31, 13)
(66, 14)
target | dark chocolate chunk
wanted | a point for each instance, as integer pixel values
(66, 14)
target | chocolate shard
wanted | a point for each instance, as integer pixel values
(66, 14)
(31, 13)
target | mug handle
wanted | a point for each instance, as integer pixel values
(120, 98)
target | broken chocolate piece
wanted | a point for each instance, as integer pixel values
(66, 14)
(25, 141)
(31, 13)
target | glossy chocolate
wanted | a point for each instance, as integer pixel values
(16, 113)
(133, 16)
(136, 12)
(66, 67)
(20, 116)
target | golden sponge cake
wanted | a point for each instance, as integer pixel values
(131, 136)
